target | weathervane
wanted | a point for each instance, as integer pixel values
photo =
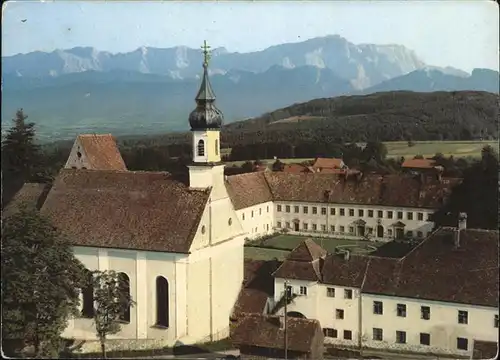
(206, 53)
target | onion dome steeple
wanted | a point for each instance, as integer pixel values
(206, 115)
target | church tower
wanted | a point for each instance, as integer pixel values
(206, 121)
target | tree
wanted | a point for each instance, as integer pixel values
(376, 151)
(40, 281)
(22, 160)
(477, 195)
(20, 153)
(112, 301)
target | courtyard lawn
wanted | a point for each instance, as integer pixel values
(260, 253)
(289, 242)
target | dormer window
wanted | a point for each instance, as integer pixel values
(201, 148)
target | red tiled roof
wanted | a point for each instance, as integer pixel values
(248, 189)
(328, 163)
(295, 168)
(122, 209)
(30, 195)
(419, 163)
(307, 250)
(258, 286)
(388, 190)
(339, 271)
(303, 262)
(265, 331)
(102, 152)
(434, 270)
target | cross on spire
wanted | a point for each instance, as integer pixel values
(206, 53)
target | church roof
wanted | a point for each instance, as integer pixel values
(129, 210)
(30, 195)
(102, 152)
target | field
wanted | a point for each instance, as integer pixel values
(279, 246)
(430, 148)
(396, 149)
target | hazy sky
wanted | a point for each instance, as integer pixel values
(462, 33)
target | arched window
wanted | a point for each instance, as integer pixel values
(216, 147)
(201, 148)
(88, 297)
(162, 301)
(124, 283)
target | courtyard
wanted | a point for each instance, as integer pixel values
(279, 246)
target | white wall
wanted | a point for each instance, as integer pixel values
(442, 326)
(317, 305)
(142, 268)
(324, 222)
(257, 220)
(77, 158)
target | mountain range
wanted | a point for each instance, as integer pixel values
(151, 90)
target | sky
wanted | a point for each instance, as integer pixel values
(463, 34)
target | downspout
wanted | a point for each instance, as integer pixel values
(360, 312)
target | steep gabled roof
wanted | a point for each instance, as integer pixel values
(307, 251)
(125, 209)
(102, 152)
(266, 332)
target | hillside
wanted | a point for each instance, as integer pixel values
(389, 116)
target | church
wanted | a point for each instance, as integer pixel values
(178, 244)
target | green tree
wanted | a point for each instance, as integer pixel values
(40, 281)
(112, 301)
(20, 153)
(477, 195)
(375, 150)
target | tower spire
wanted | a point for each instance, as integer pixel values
(206, 115)
(205, 93)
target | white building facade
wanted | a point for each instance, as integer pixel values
(360, 301)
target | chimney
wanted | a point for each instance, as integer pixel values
(439, 177)
(462, 221)
(347, 255)
(282, 322)
(225, 177)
